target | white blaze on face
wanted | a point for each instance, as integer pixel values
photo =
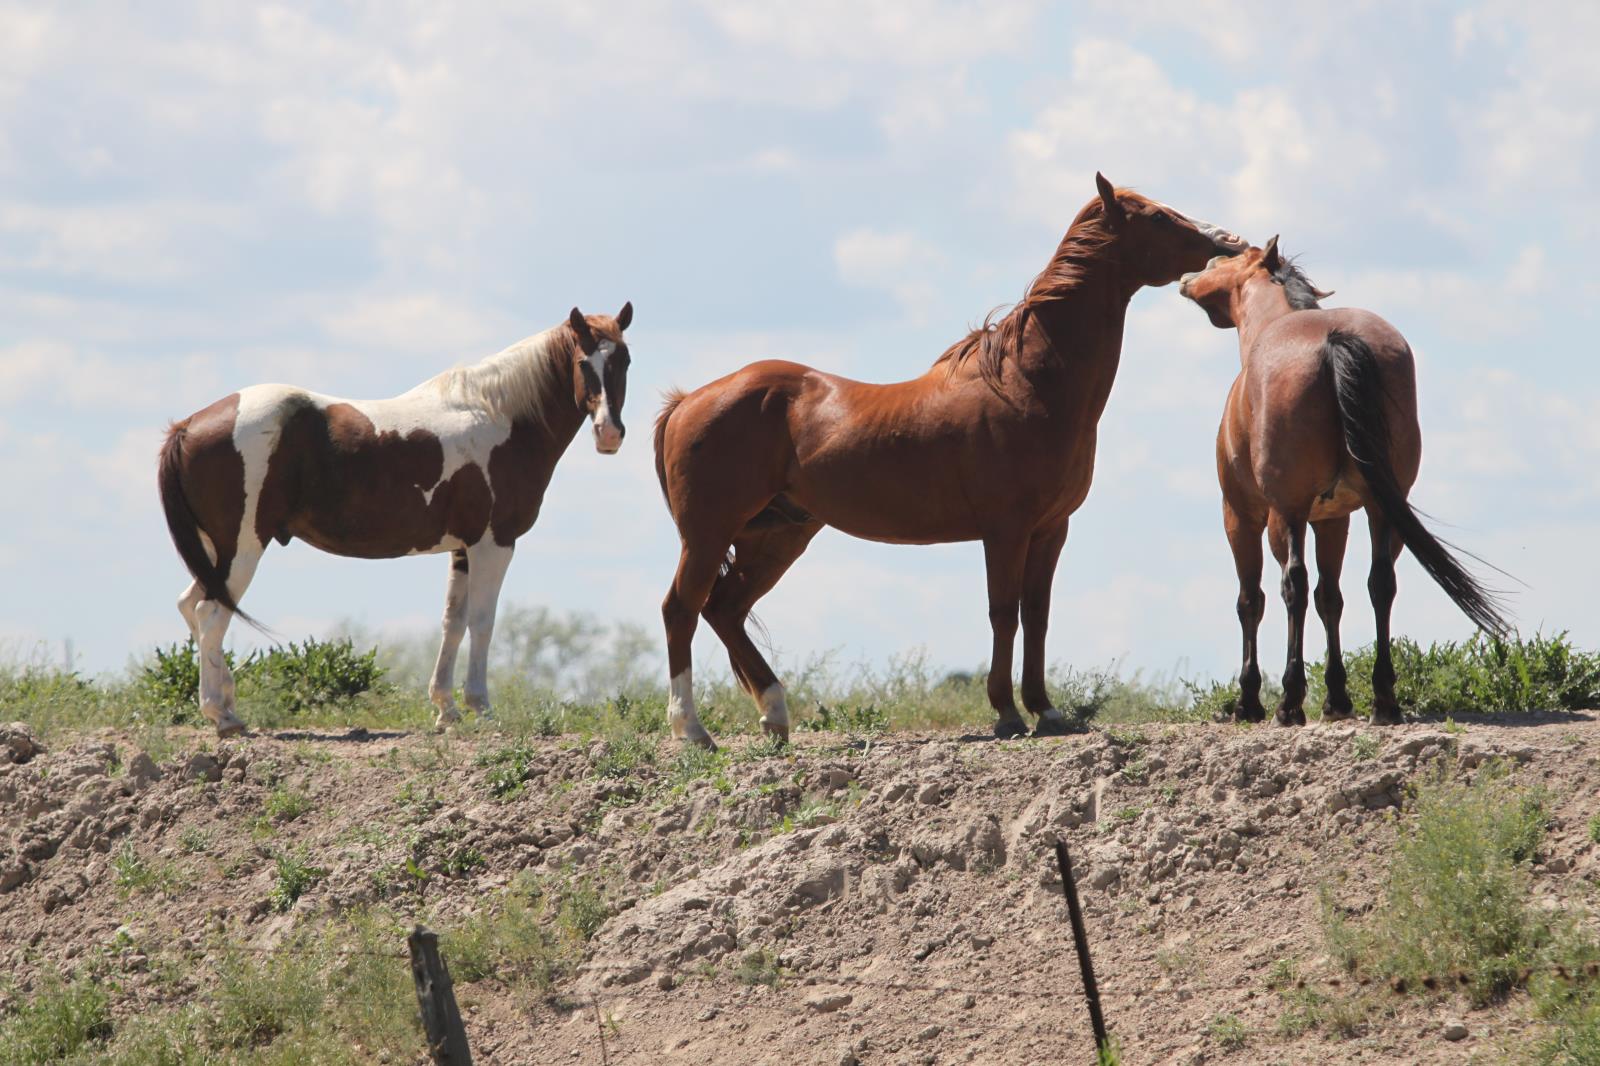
(607, 434)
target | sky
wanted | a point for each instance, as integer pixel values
(197, 197)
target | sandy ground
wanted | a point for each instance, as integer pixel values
(906, 888)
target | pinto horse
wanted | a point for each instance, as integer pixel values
(1321, 422)
(459, 464)
(994, 443)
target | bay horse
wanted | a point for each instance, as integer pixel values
(458, 464)
(995, 443)
(1320, 423)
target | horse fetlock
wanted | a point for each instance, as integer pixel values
(218, 714)
(775, 712)
(447, 717)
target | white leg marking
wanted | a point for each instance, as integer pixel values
(486, 570)
(441, 687)
(775, 712)
(680, 712)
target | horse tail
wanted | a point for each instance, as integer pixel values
(184, 525)
(672, 398)
(1363, 416)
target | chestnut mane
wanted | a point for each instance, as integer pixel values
(1085, 243)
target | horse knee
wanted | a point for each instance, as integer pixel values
(1251, 605)
(1295, 585)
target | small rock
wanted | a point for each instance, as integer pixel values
(707, 1014)
(1453, 1031)
(142, 769)
(202, 767)
(930, 1032)
(664, 982)
(17, 744)
(930, 793)
(828, 1002)
(969, 1001)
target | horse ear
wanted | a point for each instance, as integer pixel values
(1269, 256)
(580, 326)
(625, 316)
(1108, 196)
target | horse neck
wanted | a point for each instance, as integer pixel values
(1260, 302)
(559, 417)
(1079, 331)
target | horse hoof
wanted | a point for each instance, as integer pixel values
(702, 741)
(1290, 718)
(778, 733)
(1008, 728)
(1337, 714)
(1386, 716)
(1052, 727)
(226, 730)
(1245, 716)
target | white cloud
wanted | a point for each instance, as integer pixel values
(902, 264)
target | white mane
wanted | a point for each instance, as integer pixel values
(516, 382)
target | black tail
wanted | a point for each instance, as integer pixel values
(185, 527)
(1363, 414)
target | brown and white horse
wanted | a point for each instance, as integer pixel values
(995, 443)
(1321, 422)
(458, 464)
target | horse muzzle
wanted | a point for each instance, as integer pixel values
(607, 436)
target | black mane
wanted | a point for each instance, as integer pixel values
(1301, 292)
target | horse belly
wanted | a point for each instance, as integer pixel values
(894, 509)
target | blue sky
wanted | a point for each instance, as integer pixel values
(198, 197)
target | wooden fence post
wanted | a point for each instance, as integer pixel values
(1080, 937)
(447, 1039)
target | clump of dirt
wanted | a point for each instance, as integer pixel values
(846, 901)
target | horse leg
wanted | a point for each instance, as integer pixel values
(1005, 560)
(1244, 537)
(760, 559)
(1331, 536)
(486, 572)
(441, 688)
(218, 696)
(1038, 573)
(698, 567)
(1288, 538)
(1381, 586)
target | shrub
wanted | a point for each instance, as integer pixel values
(301, 677)
(295, 876)
(1456, 898)
(59, 1020)
(1483, 674)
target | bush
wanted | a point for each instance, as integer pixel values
(301, 677)
(1456, 900)
(294, 677)
(59, 1020)
(1485, 675)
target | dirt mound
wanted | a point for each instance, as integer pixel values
(896, 901)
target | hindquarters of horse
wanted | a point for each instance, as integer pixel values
(726, 451)
(1296, 439)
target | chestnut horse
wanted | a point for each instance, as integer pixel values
(459, 464)
(1321, 422)
(994, 443)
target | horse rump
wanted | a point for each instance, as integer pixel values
(1364, 419)
(184, 525)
